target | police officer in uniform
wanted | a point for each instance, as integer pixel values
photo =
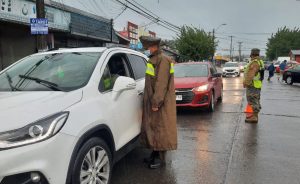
(159, 131)
(253, 84)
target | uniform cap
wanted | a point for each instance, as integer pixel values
(255, 52)
(149, 41)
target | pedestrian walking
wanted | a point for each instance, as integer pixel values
(271, 70)
(253, 84)
(282, 67)
(159, 130)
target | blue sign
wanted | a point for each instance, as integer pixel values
(139, 45)
(39, 26)
(132, 46)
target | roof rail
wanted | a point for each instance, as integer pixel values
(115, 46)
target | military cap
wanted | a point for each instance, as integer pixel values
(255, 52)
(149, 41)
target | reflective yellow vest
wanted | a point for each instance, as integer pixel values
(257, 83)
(150, 70)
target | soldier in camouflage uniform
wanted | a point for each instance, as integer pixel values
(253, 83)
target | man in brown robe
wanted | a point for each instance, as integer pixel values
(159, 130)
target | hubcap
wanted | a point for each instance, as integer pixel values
(289, 80)
(95, 167)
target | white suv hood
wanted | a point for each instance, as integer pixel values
(18, 109)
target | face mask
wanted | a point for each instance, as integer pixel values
(147, 53)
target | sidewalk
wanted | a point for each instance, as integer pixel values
(269, 152)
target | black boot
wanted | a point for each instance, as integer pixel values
(156, 163)
(158, 160)
(150, 158)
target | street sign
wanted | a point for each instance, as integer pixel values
(39, 26)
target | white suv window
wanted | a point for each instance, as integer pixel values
(138, 65)
(116, 66)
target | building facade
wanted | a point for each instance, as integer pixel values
(68, 27)
(295, 55)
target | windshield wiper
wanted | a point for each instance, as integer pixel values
(48, 84)
(10, 83)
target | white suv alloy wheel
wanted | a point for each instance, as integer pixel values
(95, 168)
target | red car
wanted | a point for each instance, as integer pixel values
(198, 84)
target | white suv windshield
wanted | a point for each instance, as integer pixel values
(58, 71)
(192, 70)
(231, 65)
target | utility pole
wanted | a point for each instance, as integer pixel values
(213, 37)
(40, 13)
(240, 51)
(231, 47)
(111, 30)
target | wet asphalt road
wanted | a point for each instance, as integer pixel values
(219, 148)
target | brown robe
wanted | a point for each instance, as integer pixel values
(159, 130)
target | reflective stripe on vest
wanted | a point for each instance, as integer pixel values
(150, 70)
(172, 68)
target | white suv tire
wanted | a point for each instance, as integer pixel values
(93, 162)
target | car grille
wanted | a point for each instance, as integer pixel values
(187, 95)
(229, 70)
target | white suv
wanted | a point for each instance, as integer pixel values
(231, 69)
(68, 115)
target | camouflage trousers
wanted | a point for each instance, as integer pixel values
(253, 98)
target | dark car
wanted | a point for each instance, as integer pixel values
(198, 84)
(292, 75)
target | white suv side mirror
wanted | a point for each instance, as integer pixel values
(122, 84)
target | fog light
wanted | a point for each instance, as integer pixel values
(35, 177)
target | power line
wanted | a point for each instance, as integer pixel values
(148, 17)
(124, 9)
(156, 15)
(153, 17)
(99, 7)
(252, 40)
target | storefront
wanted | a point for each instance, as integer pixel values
(16, 40)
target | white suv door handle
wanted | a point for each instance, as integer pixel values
(140, 92)
(131, 86)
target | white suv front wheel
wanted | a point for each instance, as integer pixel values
(93, 163)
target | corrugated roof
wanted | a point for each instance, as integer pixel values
(295, 52)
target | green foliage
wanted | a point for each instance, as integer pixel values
(170, 43)
(195, 44)
(283, 42)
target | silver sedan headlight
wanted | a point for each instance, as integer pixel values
(35, 132)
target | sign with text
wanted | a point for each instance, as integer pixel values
(39, 26)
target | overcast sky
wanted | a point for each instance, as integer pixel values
(249, 21)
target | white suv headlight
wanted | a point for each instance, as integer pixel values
(35, 132)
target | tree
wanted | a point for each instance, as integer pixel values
(283, 42)
(195, 44)
(169, 43)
